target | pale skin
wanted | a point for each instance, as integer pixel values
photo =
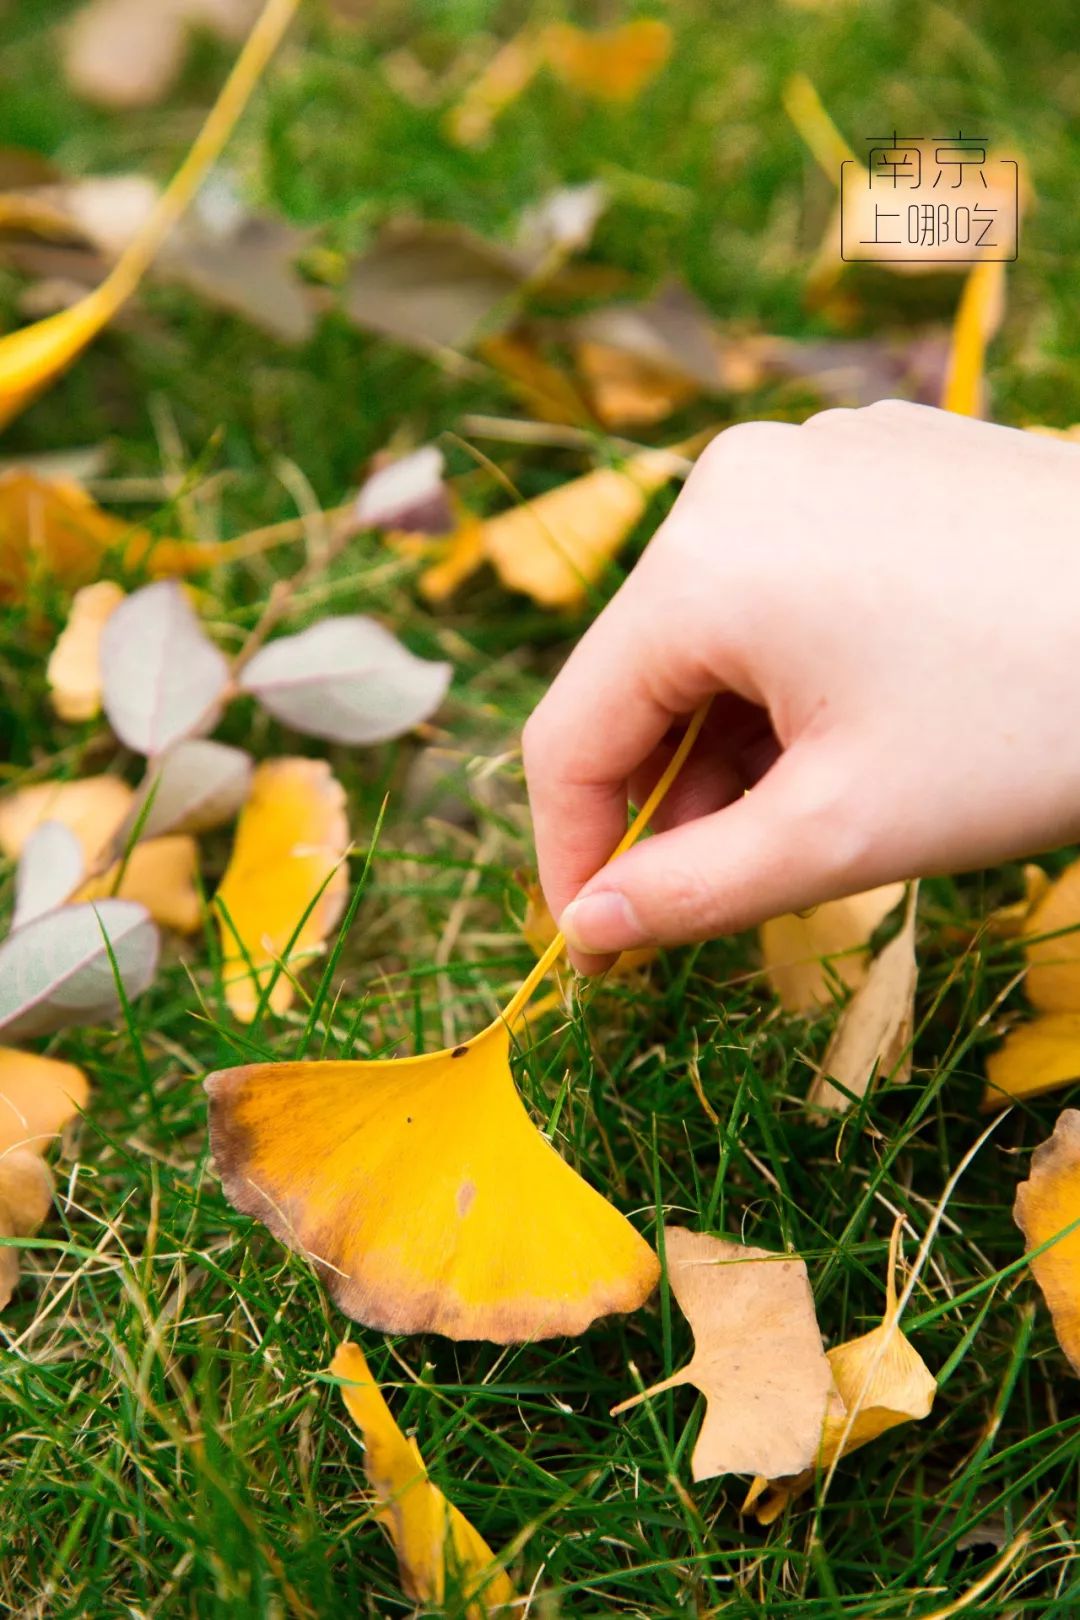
(884, 606)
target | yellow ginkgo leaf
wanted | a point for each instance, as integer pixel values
(93, 808)
(1008, 921)
(1048, 1204)
(881, 1381)
(287, 873)
(1052, 946)
(34, 357)
(758, 1357)
(421, 1190)
(612, 64)
(161, 875)
(38, 1096)
(433, 1540)
(424, 1195)
(554, 547)
(805, 956)
(539, 929)
(74, 668)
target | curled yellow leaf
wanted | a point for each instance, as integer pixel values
(287, 873)
(1047, 1206)
(613, 64)
(881, 1381)
(430, 1536)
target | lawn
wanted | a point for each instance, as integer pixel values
(172, 1446)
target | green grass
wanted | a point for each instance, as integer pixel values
(171, 1445)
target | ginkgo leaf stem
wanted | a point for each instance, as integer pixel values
(683, 1376)
(640, 822)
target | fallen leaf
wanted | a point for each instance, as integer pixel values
(162, 677)
(1008, 921)
(348, 679)
(160, 874)
(806, 955)
(881, 1381)
(1047, 1204)
(420, 1189)
(74, 667)
(1034, 1057)
(48, 525)
(758, 1356)
(675, 335)
(56, 971)
(286, 876)
(545, 390)
(1052, 946)
(123, 53)
(92, 808)
(38, 1096)
(874, 1032)
(458, 558)
(628, 392)
(32, 358)
(503, 79)
(539, 928)
(194, 786)
(613, 64)
(423, 1194)
(563, 221)
(431, 1538)
(408, 492)
(556, 546)
(1044, 1053)
(51, 866)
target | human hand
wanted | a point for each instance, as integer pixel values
(885, 606)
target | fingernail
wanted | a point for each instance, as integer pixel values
(601, 922)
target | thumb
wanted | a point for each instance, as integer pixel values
(790, 843)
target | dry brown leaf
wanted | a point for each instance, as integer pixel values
(758, 1356)
(430, 1536)
(74, 667)
(613, 64)
(880, 1382)
(160, 874)
(93, 808)
(38, 1096)
(874, 1031)
(288, 860)
(1047, 1204)
(806, 955)
(554, 547)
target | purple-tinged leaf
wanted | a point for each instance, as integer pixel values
(56, 971)
(194, 786)
(50, 869)
(162, 677)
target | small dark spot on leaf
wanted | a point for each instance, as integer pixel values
(459, 1051)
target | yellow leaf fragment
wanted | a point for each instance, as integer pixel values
(288, 856)
(74, 668)
(539, 929)
(1052, 934)
(1035, 1057)
(38, 1096)
(547, 392)
(613, 64)
(805, 955)
(1047, 1204)
(554, 547)
(431, 1538)
(758, 1356)
(874, 1031)
(626, 390)
(881, 1381)
(424, 1195)
(1009, 921)
(34, 357)
(161, 875)
(508, 74)
(456, 559)
(92, 808)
